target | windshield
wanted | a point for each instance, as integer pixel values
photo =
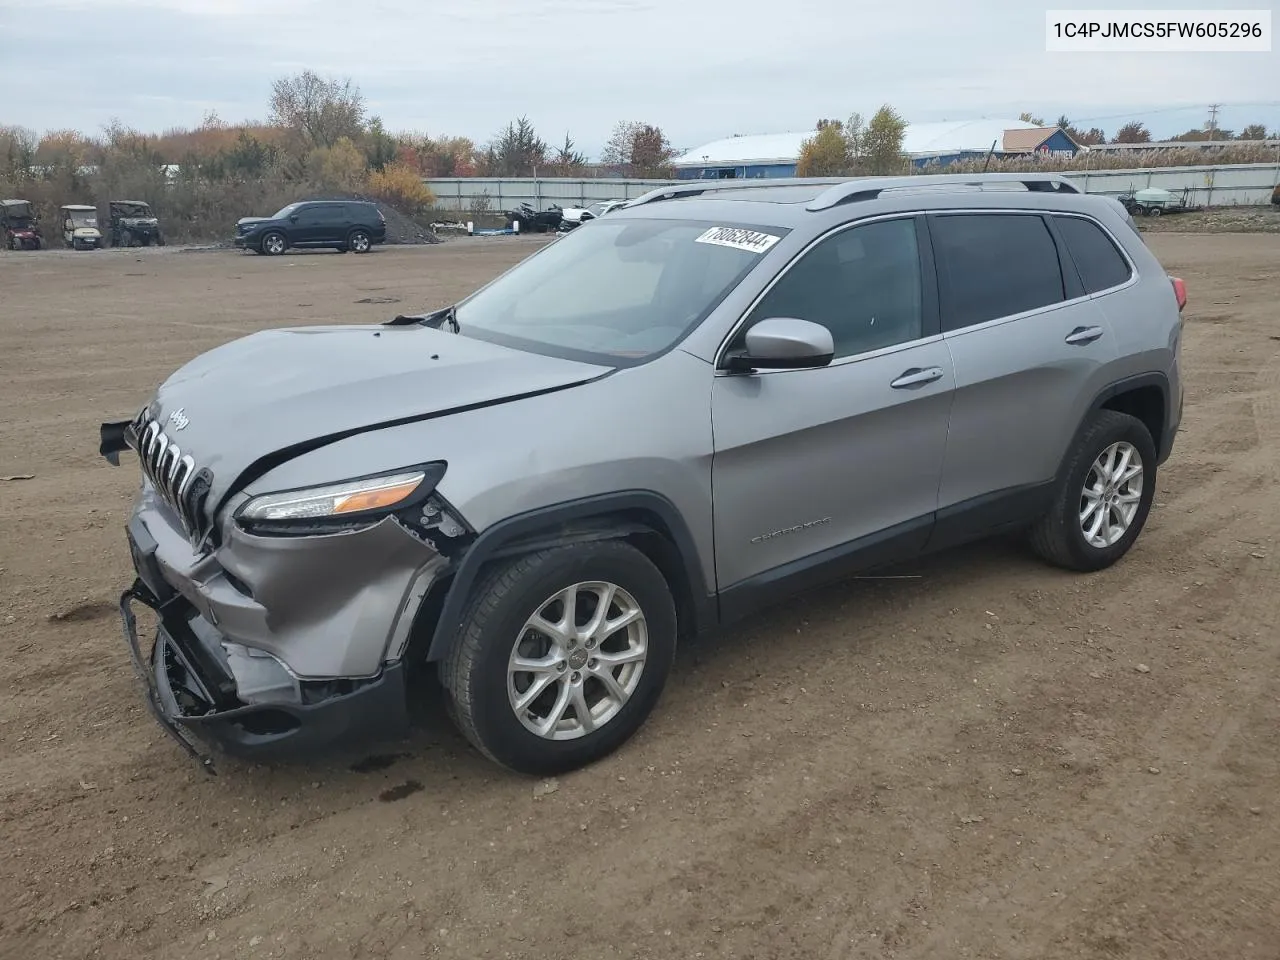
(83, 218)
(284, 212)
(621, 290)
(133, 210)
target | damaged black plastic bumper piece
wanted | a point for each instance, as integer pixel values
(193, 697)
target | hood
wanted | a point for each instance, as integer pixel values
(84, 232)
(250, 221)
(139, 221)
(279, 393)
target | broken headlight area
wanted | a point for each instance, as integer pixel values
(407, 495)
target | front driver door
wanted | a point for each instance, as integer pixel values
(820, 471)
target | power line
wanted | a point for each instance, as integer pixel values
(1139, 114)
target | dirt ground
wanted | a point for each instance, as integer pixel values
(994, 759)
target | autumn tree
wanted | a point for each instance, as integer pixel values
(1132, 132)
(826, 153)
(339, 167)
(318, 110)
(17, 152)
(880, 150)
(517, 151)
(1091, 137)
(1027, 117)
(1254, 131)
(638, 150)
(568, 158)
(379, 146)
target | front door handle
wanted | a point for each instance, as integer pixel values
(917, 377)
(1083, 335)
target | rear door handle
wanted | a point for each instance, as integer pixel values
(1083, 335)
(917, 377)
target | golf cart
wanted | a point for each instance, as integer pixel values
(133, 224)
(80, 227)
(1154, 202)
(18, 222)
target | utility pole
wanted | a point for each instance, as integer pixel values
(1213, 118)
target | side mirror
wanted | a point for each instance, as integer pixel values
(293, 218)
(783, 343)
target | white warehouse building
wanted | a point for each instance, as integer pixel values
(776, 154)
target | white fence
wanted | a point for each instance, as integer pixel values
(1237, 184)
(1217, 186)
(497, 195)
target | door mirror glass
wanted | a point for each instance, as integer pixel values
(784, 343)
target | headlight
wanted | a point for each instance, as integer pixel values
(364, 498)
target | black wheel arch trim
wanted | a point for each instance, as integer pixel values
(576, 521)
(1157, 379)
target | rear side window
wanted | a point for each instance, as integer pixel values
(994, 265)
(1100, 264)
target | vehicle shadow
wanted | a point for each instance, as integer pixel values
(434, 753)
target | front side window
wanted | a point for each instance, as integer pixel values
(863, 284)
(622, 290)
(994, 265)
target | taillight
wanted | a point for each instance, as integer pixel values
(1179, 291)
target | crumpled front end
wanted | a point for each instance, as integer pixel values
(271, 642)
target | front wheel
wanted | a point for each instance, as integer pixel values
(561, 656)
(1103, 497)
(273, 244)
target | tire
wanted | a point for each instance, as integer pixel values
(1060, 535)
(1154, 212)
(126, 239)
(482, 687)
(273, 244)
(359, 241)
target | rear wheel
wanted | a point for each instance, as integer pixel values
(273, 244)
(561, 656)
(358, 241)
(1104, 496)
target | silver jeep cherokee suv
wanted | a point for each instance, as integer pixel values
(718, 395)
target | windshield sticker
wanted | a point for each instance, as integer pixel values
(749, 240)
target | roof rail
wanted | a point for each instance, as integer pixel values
(869, 188)
(694, 188)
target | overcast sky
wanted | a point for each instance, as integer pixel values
(699, 69)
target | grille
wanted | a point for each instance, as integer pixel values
(173, 473)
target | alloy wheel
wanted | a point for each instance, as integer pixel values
(577, 660)
(1111, 495)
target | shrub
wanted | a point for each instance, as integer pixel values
(399, 185)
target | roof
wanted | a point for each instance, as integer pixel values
(1025, 141)
(948, 136)
(793, 203)
(14, 202)
(139, 202)
(77, 206)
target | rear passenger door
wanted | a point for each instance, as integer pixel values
(1030, 351)
(332, 223)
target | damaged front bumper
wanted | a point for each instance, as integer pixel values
(194, 706)
(270, 647)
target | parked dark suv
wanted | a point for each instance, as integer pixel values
(340, 224)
